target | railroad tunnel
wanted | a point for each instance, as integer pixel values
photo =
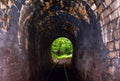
(28, 28)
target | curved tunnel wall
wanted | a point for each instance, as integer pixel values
(101, 57)
(83, 35)
(43, 40)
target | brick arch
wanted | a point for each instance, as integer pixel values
(46, 33)
(100, 48)
(62, 24)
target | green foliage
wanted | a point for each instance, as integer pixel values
(62, 48)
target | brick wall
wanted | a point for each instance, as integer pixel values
(13, 64)
(97, 39)
(110, 22)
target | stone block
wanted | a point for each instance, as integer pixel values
(110, 36)
(115, 4)
(105, 40)
(111, 70)
(113, 54)
(108, 2)
(93, 7)
(114, 15)
(112, 26)
(105, 29)
(100, 8)
(117, 34)
(117, 44)
(107, 12)
(102, 19)
(110, 46)
(107, 20)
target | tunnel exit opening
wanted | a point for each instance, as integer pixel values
(62, 50)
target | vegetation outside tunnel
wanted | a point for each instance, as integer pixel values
(61, 48)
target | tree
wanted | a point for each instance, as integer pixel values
(61, 47)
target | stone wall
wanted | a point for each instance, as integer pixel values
(110, 22)
(13, 60)
(27, 29)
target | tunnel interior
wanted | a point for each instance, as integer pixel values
(41, 42)
(41, 37)
(45, 26)
(30, 30)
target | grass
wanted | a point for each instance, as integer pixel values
(54, 56)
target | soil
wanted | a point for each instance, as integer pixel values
(62, 61)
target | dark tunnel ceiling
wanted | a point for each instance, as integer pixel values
(38, 9)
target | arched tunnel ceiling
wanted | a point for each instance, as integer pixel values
(20, 19)
(42, 8)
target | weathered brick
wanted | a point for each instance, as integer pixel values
(114, 15)
(107, 20)
(100, 8)
(105, 40)
(112, 54)
(108, 2)
(111, 70)
(118, 52)
(105, 29)
(102, 19)
(107, 12)
(117, 34)
(117, 44)
(110, 46)
(112, 26)
(115, 4)
(110, 36)
(93, 7)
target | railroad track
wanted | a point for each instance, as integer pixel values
(60, 73)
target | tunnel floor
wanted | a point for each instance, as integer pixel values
(62, 72)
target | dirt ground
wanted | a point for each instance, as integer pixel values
(62, 61)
